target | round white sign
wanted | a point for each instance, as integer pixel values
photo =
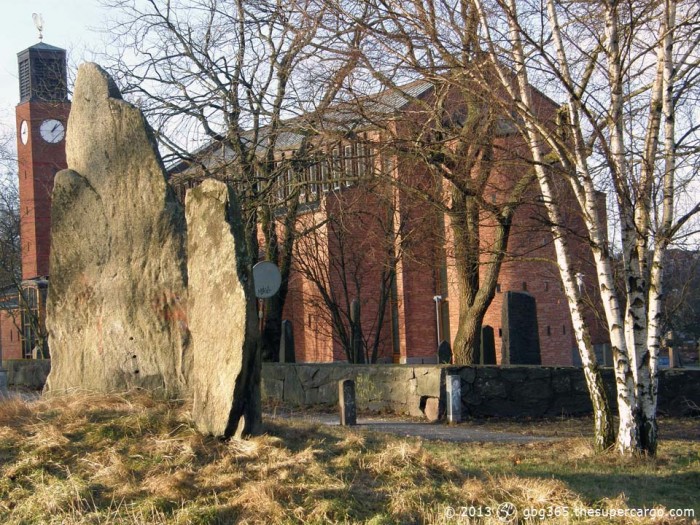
(267, 279)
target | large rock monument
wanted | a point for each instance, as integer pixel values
(222, 314)
(116, 311)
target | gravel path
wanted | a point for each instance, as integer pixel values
(461, 433)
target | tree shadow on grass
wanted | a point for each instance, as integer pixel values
(640, 490)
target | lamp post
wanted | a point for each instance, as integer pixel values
(438, 317)
(3, 377)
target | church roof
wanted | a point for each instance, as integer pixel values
(342, 116)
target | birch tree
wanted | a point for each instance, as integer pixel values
(624, 72)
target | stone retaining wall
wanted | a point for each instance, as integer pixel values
(395, 388)
(27, 373)
(487, 391)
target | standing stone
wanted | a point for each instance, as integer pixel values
(521, 340)
(222, 314)
(431, 409)
(453, 389)
(488, 346)
(287, 354)
(346, 402)
(444, 353)
(116, 309)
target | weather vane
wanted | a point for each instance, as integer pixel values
(39, 23)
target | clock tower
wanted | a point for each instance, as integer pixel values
(42, 116)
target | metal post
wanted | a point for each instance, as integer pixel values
(453, 388)
(3, 378)
(438, 317)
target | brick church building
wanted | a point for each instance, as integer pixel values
(371, 239)
(369, 242)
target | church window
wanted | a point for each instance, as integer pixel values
(336, 168)
(347, 165)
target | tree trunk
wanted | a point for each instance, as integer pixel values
(467, 343)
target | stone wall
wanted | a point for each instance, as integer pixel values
(487, 391)
(27, 373)
(393, 388)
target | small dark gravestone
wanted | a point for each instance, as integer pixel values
(444, 353)
(488, 346)
(346, 400)
(287, 354)
(521, 342)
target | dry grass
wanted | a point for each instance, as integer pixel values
(130, 459)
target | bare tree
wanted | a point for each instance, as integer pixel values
(220, 81)
(10, 248)
(351, 261)
(19, 302)
(445, 127)
(626, 71)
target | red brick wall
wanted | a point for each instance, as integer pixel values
(347, 256)
(425, 241)
(421, 248)
(312, 329)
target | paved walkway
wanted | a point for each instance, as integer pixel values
(460, 433)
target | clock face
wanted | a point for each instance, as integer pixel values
(24, 132)
(52, 130)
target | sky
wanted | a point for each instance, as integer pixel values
(69, 24)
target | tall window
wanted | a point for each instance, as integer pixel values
(336, 169)
(371, 156)
(347, 165)
(361, 160)
(324, 175)
(288, 182)
(313, 180)
(280, 181)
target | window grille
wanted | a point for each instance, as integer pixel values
(25, 83)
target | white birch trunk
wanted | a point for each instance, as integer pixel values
(584, 189)
(628, 439)
(604, 433)
(649, 378)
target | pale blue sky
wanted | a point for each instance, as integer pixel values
(67, 24)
